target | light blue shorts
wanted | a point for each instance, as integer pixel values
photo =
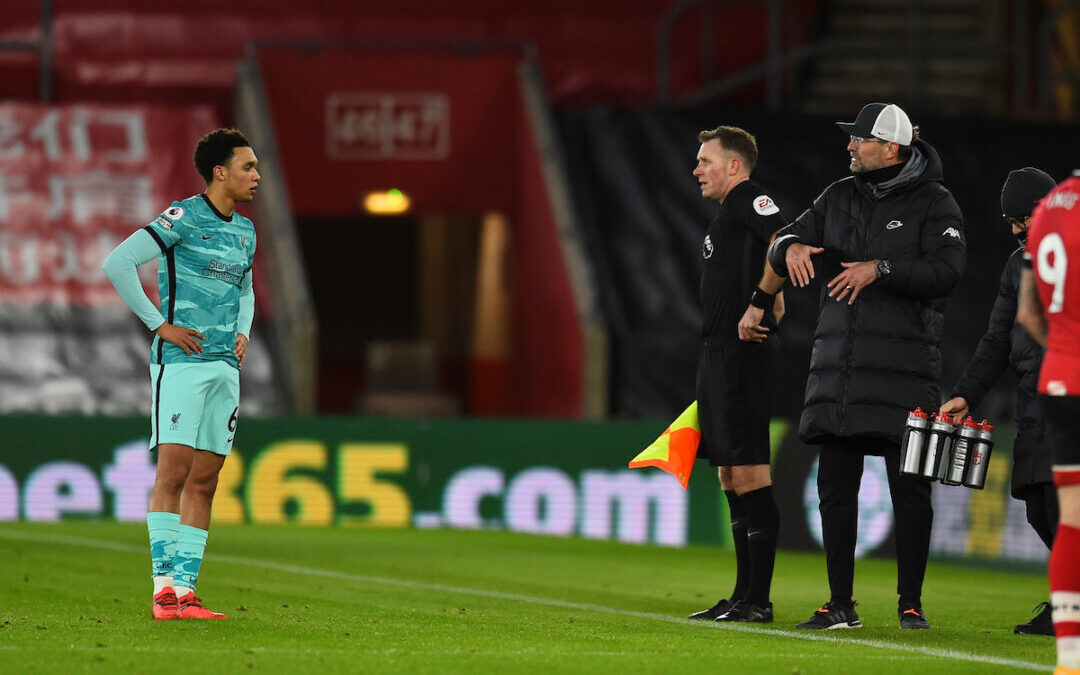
(195, 404)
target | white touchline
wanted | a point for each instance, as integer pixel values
(549, 602)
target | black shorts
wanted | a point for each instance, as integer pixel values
(734, 393)
(1063, 436)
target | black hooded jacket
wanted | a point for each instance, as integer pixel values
(1006, 342)
(877, 359)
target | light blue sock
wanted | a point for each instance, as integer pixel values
(163, 527)
(190, 544)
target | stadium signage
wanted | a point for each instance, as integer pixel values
(387, 125)
(283, 484)
(77, 179)
(542, 477)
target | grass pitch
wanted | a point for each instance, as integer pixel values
(75, 597)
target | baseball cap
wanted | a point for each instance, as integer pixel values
(1023, 189)
(880, 120)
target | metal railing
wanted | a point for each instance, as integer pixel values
(294, 326)
(780, 57)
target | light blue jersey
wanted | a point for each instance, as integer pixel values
(204, 267)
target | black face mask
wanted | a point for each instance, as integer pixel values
(1022, 238)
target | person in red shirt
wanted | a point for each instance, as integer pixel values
(1049, 308)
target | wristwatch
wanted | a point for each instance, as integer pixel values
(883, 268)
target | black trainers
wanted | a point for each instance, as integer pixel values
(912, 616)
(1041, 624)
(711, 613)
(832, 616)
(748, 612)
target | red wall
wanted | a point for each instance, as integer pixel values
(596, 51)
(478, 170)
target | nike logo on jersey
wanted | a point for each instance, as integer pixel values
(893, 224)
(207, 237)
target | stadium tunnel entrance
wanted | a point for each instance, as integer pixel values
(400, 294)
(469, 290)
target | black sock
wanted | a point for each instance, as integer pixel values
(763, 525)
(742, 545)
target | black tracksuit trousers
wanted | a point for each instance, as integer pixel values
(840, 470)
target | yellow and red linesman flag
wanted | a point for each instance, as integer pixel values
(676, 449)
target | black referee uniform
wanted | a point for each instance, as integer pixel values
(734, 378)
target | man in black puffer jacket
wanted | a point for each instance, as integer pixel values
(1006, 342)
(890, 241)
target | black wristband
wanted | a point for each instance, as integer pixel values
(762, 300)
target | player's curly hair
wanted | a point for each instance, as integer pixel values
(216, 149)
(736, 140)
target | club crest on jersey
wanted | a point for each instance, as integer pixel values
(707, 247)
(765, 206)
(243, 245)
(951, 232)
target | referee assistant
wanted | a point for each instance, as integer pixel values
(733, 378)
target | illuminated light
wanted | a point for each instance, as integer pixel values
(389, 203)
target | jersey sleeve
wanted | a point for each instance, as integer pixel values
(168, 228)
(763, 217)
(246, 315)
(121, 268)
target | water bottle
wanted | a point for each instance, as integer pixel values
(913, 443)
(980, 457)
(938, 444)
(965, 438)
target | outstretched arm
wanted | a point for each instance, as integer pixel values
(121, 267)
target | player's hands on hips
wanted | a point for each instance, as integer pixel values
(854, 278)
(241, 347)
(800, 266)
(184, 338)
(750, 328)
(957, 407)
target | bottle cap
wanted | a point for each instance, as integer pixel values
(917, 412)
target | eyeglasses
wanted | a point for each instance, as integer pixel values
(859, 140)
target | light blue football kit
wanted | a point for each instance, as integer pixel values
(204, 279)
